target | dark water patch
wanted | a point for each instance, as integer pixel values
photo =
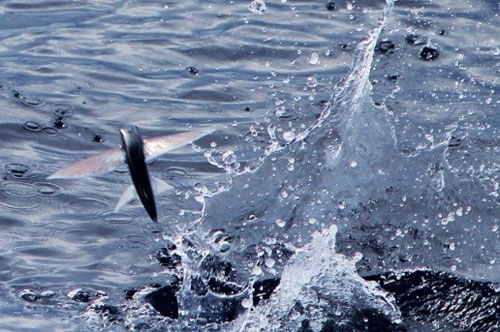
(22, 19)
(129, 293)
(220, 53)
(429, 53)
(164, 300)
(193, 70)
(80, 295)
(59, 123)
(109, 78)
(43, 252)
(29, 295)
(37, 5)
(167, 258)
(10, 222)
(330, 5)
(209, 95)
(415, 40)
(264, 288)
(437, 297)
(97, 139)
(392, 78)
(359, 320)
(385, 47)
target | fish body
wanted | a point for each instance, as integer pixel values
(133, 147)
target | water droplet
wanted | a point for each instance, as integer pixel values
(257, 271)
(28, 295)
(224, 246)
(62, 110)
(269, 262)
(313, 59)
(288, 135)
(229, 158)
(257, 7)
(253, 131)
(280, 111)
(280, 222)
(311, 82)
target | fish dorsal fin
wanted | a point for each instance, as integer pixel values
(108, 160)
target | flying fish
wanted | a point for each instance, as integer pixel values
(135, 152)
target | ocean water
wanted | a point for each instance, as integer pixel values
(351, 182)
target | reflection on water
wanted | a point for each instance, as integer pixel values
(397, 161)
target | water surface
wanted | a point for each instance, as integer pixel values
(341, 156)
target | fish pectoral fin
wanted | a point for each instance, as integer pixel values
(100, 163)
(156, 146)
(130, 195)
